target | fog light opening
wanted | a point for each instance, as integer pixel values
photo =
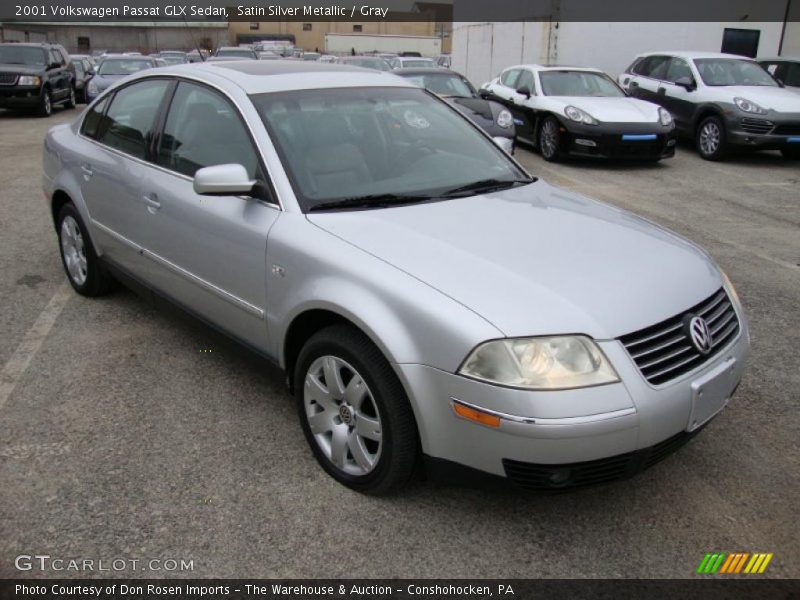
(583, 142)
(560, 477)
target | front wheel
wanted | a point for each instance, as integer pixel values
(72, 100)
(550, 139)
(45, 104)
(84, 270)
(710, 139)
(354, 412)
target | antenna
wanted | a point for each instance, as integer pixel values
(194, 42)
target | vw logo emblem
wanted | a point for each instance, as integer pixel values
(345, 414)
(698, 332)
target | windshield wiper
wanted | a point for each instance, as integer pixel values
(370, 201)
(485, 186)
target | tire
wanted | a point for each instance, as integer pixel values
(84, 270)
(373, 402)
(710, 139)
(45, 108)
(549, 139)
(791, 153)
(72, 100)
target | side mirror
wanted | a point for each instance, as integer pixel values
(54, 65)
(687, 83)
(525, 91)
(223, 180)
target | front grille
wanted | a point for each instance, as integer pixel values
(8, 78)
(539, 477)
(663, 351)
(757, 125)
(787, 129)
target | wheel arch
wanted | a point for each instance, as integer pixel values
(703, 112)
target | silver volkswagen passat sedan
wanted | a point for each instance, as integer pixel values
(427, 298)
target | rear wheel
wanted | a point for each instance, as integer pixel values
(354, 412)
(84, 270)
(550, 139)
(710, 139)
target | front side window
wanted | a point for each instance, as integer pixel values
(203, 129)
(525, 80)
(509, 78)
(123, 66)
(23, 55)
(578, 83)
(733, 71)
(369, 143)
(679, 70)
(130, 116)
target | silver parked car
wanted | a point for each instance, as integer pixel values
(426, 297)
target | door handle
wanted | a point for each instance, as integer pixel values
(87, 172)
(662, 91)
(634, 84)
(152, 203)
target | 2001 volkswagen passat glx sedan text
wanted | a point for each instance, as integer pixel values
(425, 295)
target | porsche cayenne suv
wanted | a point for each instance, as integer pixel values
(432, 304)
(721, 101)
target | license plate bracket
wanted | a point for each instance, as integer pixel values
(711, 393)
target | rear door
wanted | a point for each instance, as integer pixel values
(114, 165)
(647, 77)
(209, 252)
(58, 75)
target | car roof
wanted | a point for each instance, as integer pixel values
(549, 67)
(29, 44)
(690, 54)
(263, 76)
(779, 58)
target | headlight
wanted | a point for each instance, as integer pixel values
(504, 119)
(748, 106)
(29, 80)
(92, 87)
(729, 286)
(545, 363)
(576, 114)
(664, 116)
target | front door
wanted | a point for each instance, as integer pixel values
(208, 253)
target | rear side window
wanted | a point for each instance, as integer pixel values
(130, 116)
(509, 78)
(91, 123)
(203, 129)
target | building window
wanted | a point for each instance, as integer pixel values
(254, 26)
(83, 45)
(306, 26)
(358, 28)
(743, 42)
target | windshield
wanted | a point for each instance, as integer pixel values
(370, 63)
(237, 53)
(22, 55)
(123, 66)
(443, 84)
(733, 71)
(174, 59)
(417, 63)
(578, 83)
(369, 142)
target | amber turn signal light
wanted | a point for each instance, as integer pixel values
(476, 416)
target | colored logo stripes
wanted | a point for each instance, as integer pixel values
(734, 562)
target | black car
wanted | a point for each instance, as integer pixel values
(36, 77)
(84, 71)
(454, 88)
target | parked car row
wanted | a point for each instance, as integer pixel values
(720, 101)
(413, 281)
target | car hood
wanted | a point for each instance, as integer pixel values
(769, 98)
(611, 110)
(537, 259)
(21, 69)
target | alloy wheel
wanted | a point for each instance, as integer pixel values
(74, 251)
(342, 415)
(709, 138)
(48, 105)
(549, 138)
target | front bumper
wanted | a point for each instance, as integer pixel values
(20, 96)
(612, 430)
(773, 131)
(645, 141)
